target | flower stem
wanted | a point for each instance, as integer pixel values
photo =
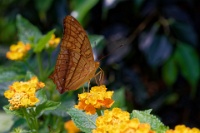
(31, 119)
(39, 62)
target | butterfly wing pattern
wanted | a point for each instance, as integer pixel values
(75, 64)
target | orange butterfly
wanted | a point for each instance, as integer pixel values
(75, 64)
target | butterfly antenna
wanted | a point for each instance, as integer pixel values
(130, 38)
(111, 52)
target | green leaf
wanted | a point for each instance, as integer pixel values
(43, 41)
(119, 98)
(81, 8)
(28, 75)
(12, 112)
(43, 5)
(11, 73)
(28, 33)
(169, 71)
(86, 123)
(61, 110)
(47, 105)
(184, 32)
(146, 117)
(96, 40)
(188, 61)
(41, 95)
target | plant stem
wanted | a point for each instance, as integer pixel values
(39, 62)
(31, 119)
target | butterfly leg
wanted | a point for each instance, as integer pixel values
(88, 86)
(83, 89)
(101, 77)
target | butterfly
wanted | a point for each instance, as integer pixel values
(75, 64)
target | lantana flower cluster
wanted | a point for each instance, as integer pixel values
(18, 51)
(22, 94)
(97, 98)
(53, 42)
(71, 127)
(183, 129)
(118, 121)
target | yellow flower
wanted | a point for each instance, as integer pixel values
(118, 121)
(18, 51)
(53, 42)
(183, 129)
(22, 94)
(71, 127)
(97, 98)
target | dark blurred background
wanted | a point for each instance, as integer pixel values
(151, 48)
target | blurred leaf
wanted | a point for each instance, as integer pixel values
(13, 112)
(177, 13)
(43, 5)
(44, 104)
(11, 73)
(97, 43)
(188, 61)
(67, 101)
(156, 48)
(28, 33)
(8, 29)
(184, 32)
(172, 98)
(28, 75)
(40, 45)
(96, 40)
(41, 95)
(170, 72)
(47, 105)
(81, 8)
(86, 123)
(62, 109)
(119, 98)
(146, 117)
(19, 122)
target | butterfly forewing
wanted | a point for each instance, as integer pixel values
(75, 63)
(75, 38)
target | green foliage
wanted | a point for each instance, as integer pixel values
(43, 42)
(146, 117)
(166, 37)
(184, 60)
(27, 32)
(119, 98)
(82, 7)
(45, 104)
(83, 121)
(42, 7)
(15, 112)
(97, 42)
(11, 73)
(184, 32)
(188, 61)
(170, 71)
